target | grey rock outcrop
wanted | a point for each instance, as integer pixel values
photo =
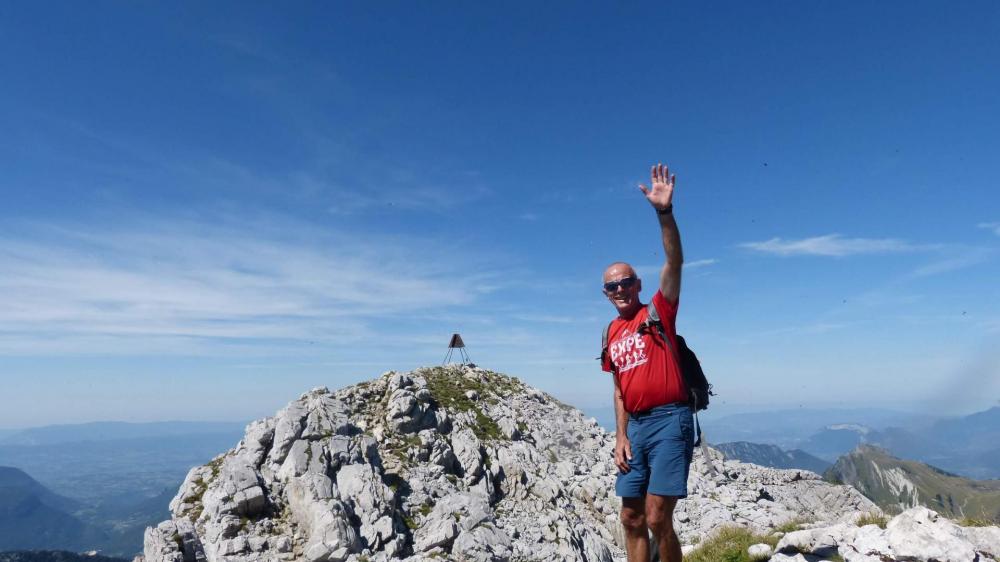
(916, 535)
(448, 463)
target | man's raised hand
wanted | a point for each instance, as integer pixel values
(661, 194)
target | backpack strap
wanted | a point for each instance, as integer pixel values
(653, 321)
(604, 349)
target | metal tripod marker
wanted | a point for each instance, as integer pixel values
(457, 343)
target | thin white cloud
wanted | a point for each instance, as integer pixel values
(832, 245)
(429, 199)
(190, 287)
(807, 329)
(649, 271)
(953, 259)
(699, 263)
(545, 318)
(992, 226)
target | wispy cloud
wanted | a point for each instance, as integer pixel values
(806, 329)
(992, 226)
(650, 271)
(699, 263)
(545, 318)
(952, 259)
(833, 245)
(182, 286)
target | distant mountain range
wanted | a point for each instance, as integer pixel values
(115, 464)
(32, 516)
(896, 484)
(791, 428)
(98, 485)
(54, 556)
(966, 445)
(772, 455)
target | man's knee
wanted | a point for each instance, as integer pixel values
(659, 521)
(660, 514)
(633, 520)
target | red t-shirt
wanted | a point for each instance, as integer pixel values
(648, 372)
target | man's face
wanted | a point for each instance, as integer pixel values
(622, 286)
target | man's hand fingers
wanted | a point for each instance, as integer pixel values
(673, 180)
(623, 453)
(643, 189)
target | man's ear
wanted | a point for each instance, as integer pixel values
(638, 285)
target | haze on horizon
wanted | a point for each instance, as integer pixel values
(210, 209)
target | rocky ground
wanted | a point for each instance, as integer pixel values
(450, 463)
(917, 534)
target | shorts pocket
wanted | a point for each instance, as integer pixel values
(686, 420)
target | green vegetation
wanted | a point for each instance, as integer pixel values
(978, 521)
(729, 544)
(398, 446)
(872, 519)
(448, 386)
(201, 486)
(792, 525)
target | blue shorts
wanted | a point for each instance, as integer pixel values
(662, 441)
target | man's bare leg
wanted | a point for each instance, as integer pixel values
(636, 531)
(660, 519)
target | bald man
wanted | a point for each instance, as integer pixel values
(654, 438)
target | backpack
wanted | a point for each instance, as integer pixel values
(699, 389)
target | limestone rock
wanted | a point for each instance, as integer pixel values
(760, 551)
(461, 463)
(916, 535)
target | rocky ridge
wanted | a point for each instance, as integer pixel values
(916, 535)
(897, 484)
(453, 463)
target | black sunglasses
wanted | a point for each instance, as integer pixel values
(625, 283)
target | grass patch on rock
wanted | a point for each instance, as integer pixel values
(977, 522)
(792, 525)
(872, 519)
(450, 386)
(729, 544)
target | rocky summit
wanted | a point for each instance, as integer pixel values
(449, 463)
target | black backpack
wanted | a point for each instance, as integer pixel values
(694, 378)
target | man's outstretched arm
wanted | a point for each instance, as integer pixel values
(660, 195)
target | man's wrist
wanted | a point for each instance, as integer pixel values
(669, 209)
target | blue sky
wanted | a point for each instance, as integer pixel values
(211, 208)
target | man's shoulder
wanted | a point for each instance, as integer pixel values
(665, 309)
